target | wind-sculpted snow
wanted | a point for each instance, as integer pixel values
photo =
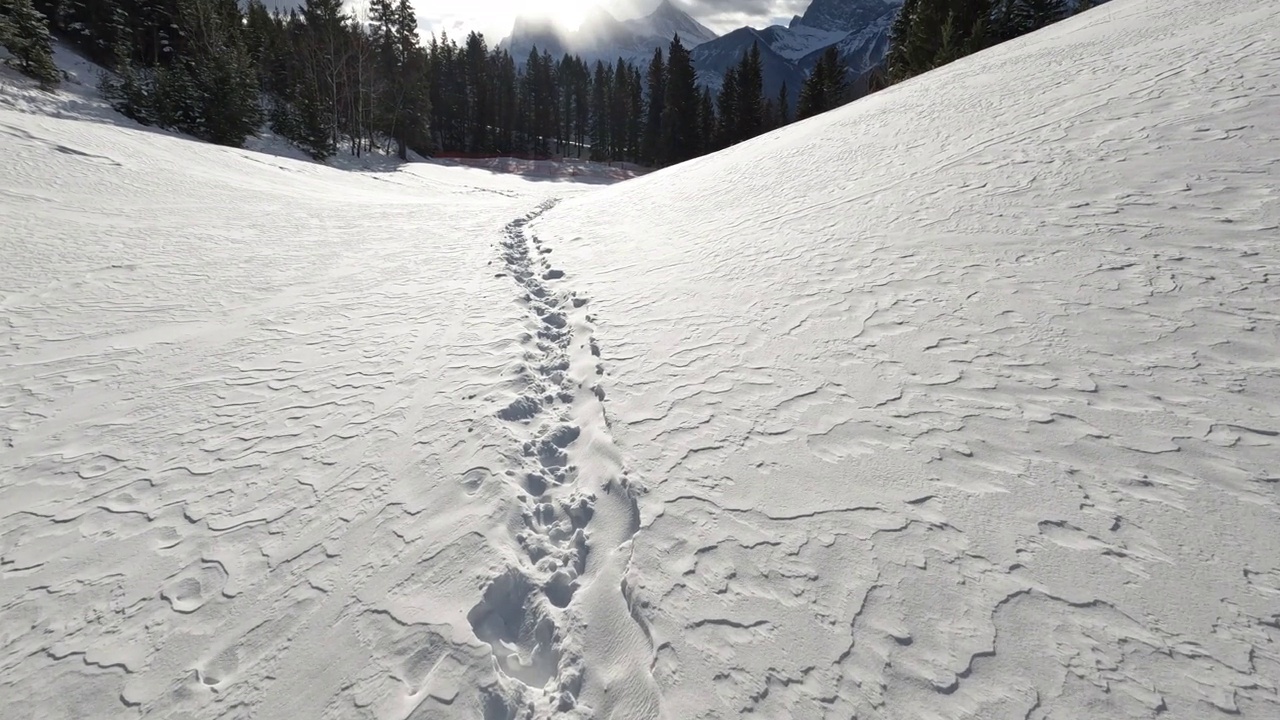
(578, 513)
(250, 457)
(964, 401)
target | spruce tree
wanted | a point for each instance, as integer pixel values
(706, 122)
(783, 105)
(601, 89)
(750, 118)
(24, 31)
(656, 92)
(727, 109)
(213, 83)
(827, 86)
(679, 133)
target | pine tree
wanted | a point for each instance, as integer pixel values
(706, 122)
(656, 92)
(322, 50)
(24, 31)
(783, 105)
(213, 83)
(898, 59)
(727, 109)
(679, 132)
(601, 90)
(750, 119)
(826, 87)
(635, 114)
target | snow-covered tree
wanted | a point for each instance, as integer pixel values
(24, 32)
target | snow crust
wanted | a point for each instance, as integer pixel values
(250, 462)
(962, 401)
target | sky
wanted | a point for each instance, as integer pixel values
(494, 17)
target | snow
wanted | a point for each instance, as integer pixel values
(794, 43)
(961, 401)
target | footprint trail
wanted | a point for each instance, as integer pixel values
(558, 620)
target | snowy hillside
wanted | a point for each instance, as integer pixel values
(961, 401)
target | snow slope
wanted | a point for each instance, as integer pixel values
(249, 462)
(962, 401)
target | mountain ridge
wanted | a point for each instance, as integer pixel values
(602, 36)
(859, 29)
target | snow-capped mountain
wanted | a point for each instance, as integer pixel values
(604, 37)
(713, 59)
(844, 15)
(858, 28)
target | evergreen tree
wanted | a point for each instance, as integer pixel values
(601, 89)
(24, 31)
(826, 87)
(214, 83)
(678, 139)
(750, 119)
(727, 109)
(930, 33)
(208, 88)
(656, 92)
(403, 96)
(635, 114)
(783, 105)
(707, 129)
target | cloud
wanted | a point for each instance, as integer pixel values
(494, 17)
(723, 15)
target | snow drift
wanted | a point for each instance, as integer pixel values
(962, 401)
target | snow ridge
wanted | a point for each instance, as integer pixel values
(579, 513)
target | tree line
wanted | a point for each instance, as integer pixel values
(329, 81)
(931, 33)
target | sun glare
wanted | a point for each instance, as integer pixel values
(568, 14)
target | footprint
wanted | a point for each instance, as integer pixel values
(474, 478)
(522, 408)
(523, 639)
(560, 588)
(194, 586)
(97, 467)
(221, 668)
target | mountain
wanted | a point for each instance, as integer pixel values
(858, 28)
(713, 59)
(844, 15)
(603, 37)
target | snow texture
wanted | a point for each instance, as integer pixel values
(962, 401)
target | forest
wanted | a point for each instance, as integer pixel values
(331, 81)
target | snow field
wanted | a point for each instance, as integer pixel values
(248, 410)
(961, 401)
